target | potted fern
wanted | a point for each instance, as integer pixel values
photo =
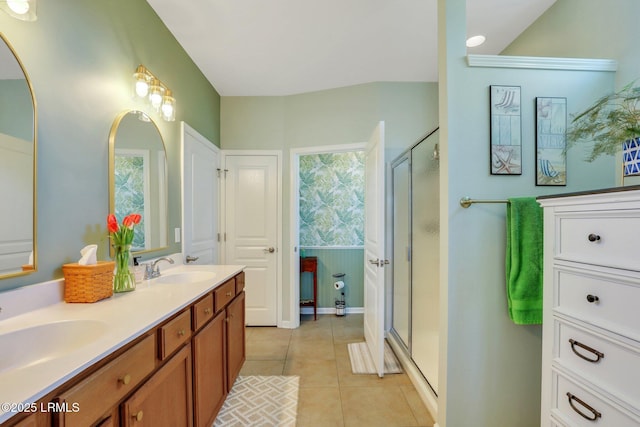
(611, 121)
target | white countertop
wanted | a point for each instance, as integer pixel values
(111, 323)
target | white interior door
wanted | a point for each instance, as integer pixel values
(374, 259)
(252, 230)
(200, 192)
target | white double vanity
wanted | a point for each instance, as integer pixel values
(164, 354)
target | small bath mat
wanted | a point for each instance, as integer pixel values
(261, 401)
(362, 362)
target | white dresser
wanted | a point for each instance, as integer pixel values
(591, 320)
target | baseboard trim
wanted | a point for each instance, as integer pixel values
(331, 310)
(419, 382)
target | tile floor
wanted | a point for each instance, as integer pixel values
(330, 395)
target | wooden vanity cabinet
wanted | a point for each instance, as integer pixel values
(37, 419)
(96, 395)
(177, 374)
(236, 350)
(218, 353)
(165, 399)
(209, 371)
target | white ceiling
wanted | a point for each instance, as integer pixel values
(283, 47)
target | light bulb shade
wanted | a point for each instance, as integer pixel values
(168, 107)
(156, 92)
(24, 10)
(141, 81)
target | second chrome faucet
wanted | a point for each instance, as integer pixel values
(152, 269)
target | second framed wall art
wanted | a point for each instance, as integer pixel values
(551, 142)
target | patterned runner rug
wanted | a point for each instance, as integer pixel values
(260, 401)
(362, 362)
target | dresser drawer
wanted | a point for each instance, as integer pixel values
(107, 386)
(202, 311)
(224, 294)
(611, 365)
(173, 334)
(608, 301)
(576, 405)
(608, 239)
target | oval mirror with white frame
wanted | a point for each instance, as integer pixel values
(138, 178)
(17, 166)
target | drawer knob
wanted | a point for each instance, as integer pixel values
(125, 380)
(592, 298)
(594, 414)
(181, 333)
(138, 416)
(596, 353)
(207, 310)
(228, 294)
(593, 237)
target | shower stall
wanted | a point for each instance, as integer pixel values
(415, 255)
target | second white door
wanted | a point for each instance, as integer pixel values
(251, 230)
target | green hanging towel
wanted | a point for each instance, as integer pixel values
(524, 260)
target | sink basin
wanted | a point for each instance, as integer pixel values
(38, 344)
(185, 277)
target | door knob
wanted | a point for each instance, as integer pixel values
(191, 258)
(270, 250)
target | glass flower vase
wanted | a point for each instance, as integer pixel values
(123, 278)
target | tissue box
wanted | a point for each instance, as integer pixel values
(88, 283)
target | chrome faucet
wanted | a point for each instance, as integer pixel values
(152, 270)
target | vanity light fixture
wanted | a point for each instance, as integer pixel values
(25, 10)
(168, 106)
(148, 86)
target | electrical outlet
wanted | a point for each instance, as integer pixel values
(177, 235)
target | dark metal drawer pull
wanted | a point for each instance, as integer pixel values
(592, 298)
(595, 413)
(593, 237)
(598, 354)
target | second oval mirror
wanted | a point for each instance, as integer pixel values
(138, 178)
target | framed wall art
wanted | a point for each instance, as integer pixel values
(551, 141)
(506, 130)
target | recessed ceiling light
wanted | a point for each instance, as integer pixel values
(475, 41)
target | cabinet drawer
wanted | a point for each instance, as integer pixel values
(239, 283)
(570, 400)
(202, 311)
(603, 361)
(607, 301)
(106, 387)
(173, 334)
(224, 294)
(600, 239)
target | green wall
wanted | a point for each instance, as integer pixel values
(490, 370)
(586, 29)
(16, 117)
(332, 117)
(80, 56)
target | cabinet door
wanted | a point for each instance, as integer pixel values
(37, 419)
(165, 399)
(235, 339)
(209, 375)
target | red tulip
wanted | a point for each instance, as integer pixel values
(131, 220)
(112, 223)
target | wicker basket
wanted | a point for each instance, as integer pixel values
(88, 283)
